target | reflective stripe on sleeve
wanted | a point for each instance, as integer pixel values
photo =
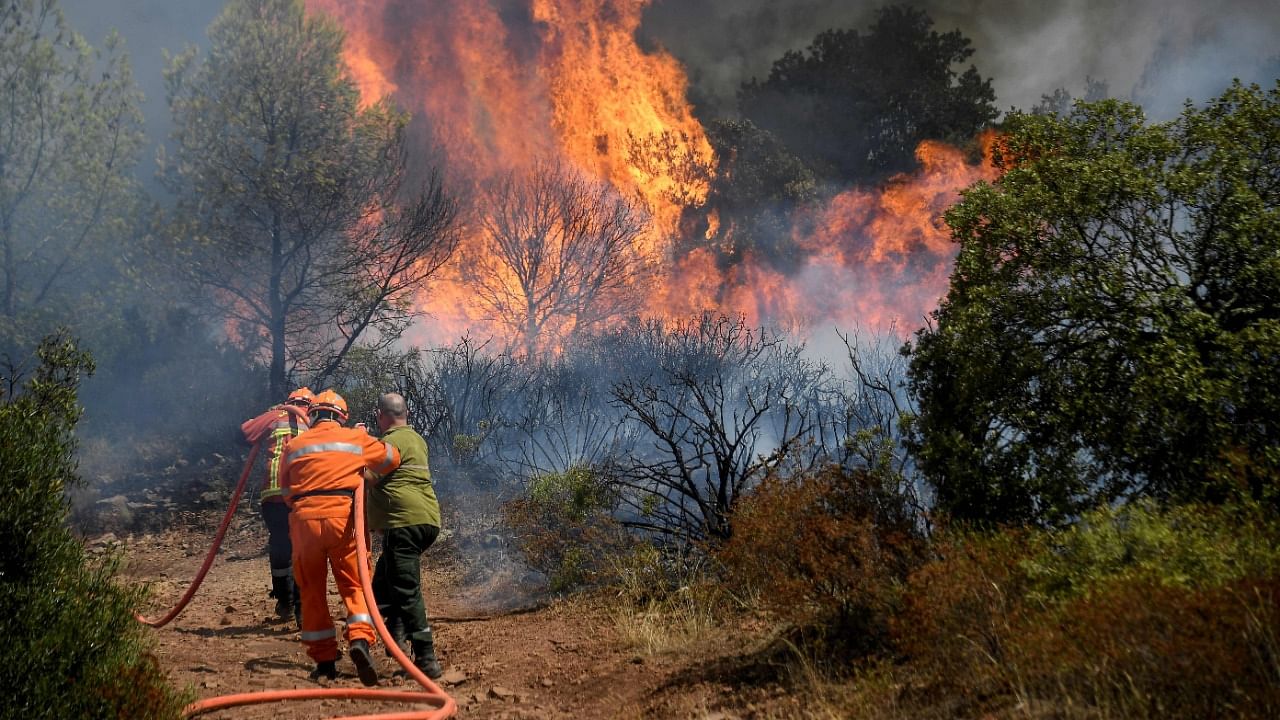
(282, 572)
(385, 467)
(316, 635)
(360, 618)
(326, 447)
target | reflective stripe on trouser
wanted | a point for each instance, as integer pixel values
(318, 545)
(275, 515)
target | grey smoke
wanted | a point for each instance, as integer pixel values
(149, 28)
(1156, 52)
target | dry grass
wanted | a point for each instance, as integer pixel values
(686, 618)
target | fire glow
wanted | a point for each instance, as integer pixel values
(497, 89)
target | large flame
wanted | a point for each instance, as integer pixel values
(499, 86)
(874, 259)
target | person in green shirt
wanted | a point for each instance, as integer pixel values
(402, 507)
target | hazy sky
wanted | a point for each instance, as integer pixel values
(1157, 52)
(148, 27)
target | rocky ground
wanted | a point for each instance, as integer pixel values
(509, 650)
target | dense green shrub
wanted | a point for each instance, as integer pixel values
(72, 648)
(1111, 329)
(1190, 546)
(564, 526)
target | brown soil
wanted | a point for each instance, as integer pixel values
(508, 652)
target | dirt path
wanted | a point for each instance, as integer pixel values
(559, 660)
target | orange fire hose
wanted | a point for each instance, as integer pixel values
(213, 549)
(444, 704)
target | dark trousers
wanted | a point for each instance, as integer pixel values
(397, 578)
(275, 515)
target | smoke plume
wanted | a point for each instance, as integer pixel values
(1156, 52)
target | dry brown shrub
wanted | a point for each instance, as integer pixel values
(976, 639)
(1147, 649)
(827, 552)
(957, 618)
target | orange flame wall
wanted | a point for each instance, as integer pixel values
(874, 259)
(498, 84)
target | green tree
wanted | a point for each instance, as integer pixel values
(1060, 100)
(854, 106)
(1113, 323)
(72, 646)
(69, 136)
(307, 235)
(756, 187)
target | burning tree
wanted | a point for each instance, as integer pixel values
(855, 105)
(558, 254)
(756, 188)
(305, 232)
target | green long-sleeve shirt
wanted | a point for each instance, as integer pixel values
(406, 496)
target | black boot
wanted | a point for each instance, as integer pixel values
(424, 657)
(363, 660)
(282, 590)
(395, 628)
(327, 669)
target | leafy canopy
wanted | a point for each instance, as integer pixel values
(72, 646)
(854, 105)
(1113, 324)
(307, 236)
(70, 130)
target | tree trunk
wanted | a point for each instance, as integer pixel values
(10, 278)
(277, 374)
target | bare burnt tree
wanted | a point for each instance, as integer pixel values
(567, 419)
(721, 406)
(558, 254)
(463, 397)
(871, 434)
(877, 402)
(385, 260)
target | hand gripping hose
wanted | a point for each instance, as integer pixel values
(444, 705)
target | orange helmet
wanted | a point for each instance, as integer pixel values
(302, 396)
(329, 401)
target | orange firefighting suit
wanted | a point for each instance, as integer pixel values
(321, 474)
(274, 428)
(280, 423)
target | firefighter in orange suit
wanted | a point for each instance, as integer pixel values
(321, 475)
(274, 428)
